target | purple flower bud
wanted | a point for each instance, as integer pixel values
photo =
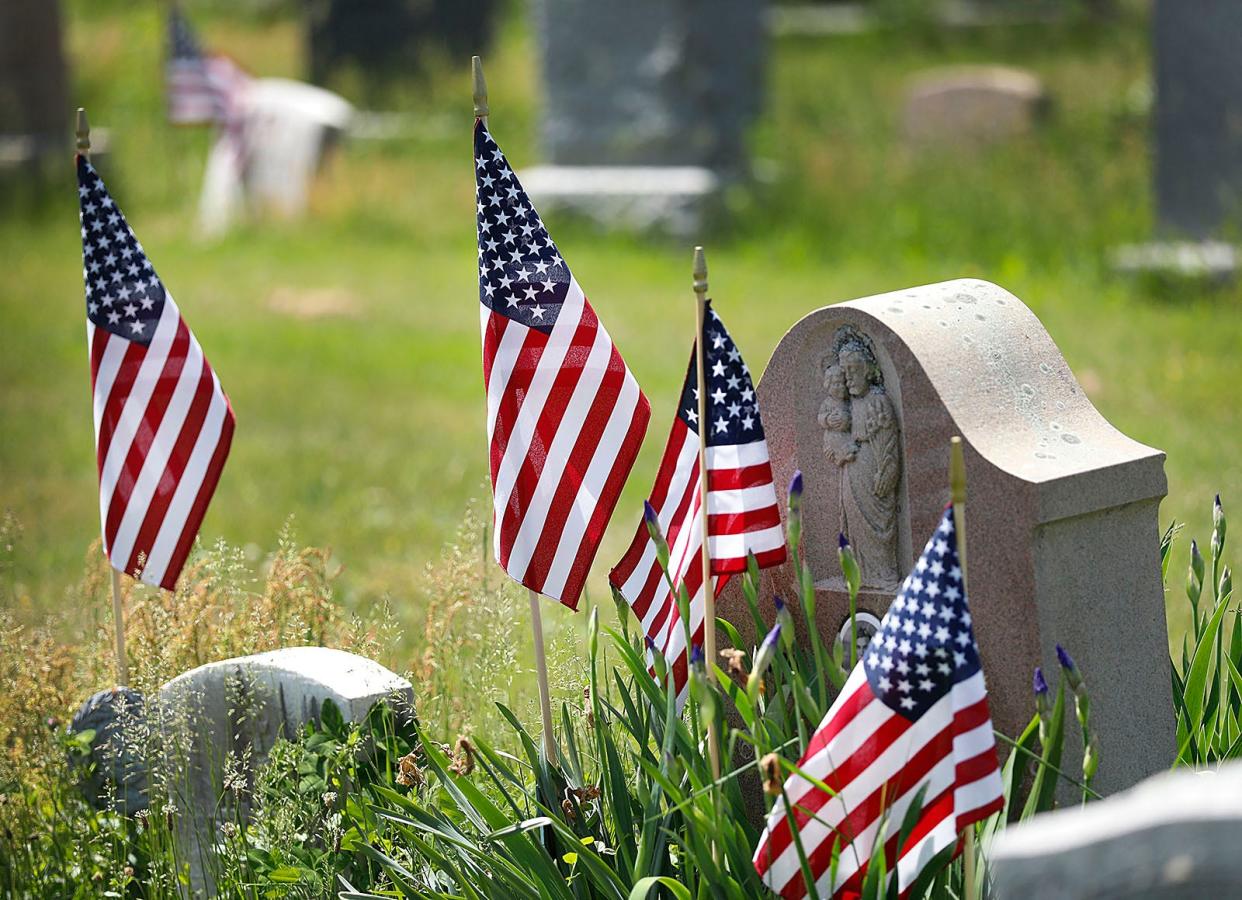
(696, 655)
(1064, 659)
(1040, 683)
(649, 514)
(772, 637)
(649, 642)
(795, 487)
(842, 541)
(780, 605)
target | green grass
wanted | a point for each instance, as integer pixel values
(368, 426)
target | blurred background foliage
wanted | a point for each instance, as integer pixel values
(348, 341)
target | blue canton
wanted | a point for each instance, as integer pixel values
(925, 644)
(732, 410)
(123, 293)
(521, 274)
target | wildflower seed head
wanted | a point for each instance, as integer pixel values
(770, 767)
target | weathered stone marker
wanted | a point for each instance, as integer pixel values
(222, 719)
(1062, 513)
(972, 105)
(1173, 837)
(646, 106)
(1198, 77)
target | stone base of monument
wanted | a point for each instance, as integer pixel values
(222, 719)
(1173, 837)
(1062, 516)
(677, 200)
(1213, 261)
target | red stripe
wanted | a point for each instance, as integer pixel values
(586, 447)
(971, 717)
(205, 491)
(178, 458)
(152, 415)
(934, 812)
(99, 343)
(845, 771)
(971, 770)
(118, 397)
(740, 523)
(736, 564)
(524, 368)
(564, 380)
(622, 571)
(739, 479)
(862, 815)
(607, 502)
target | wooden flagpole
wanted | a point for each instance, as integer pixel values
(957, 494)
(709, 594)
(83, 131)
(481, 112)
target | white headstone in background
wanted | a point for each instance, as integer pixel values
(286, 127)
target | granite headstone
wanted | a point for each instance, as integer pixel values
(1173, 837)
(1198, 116)
(972, 105)
(1061, 518)
(643, 100)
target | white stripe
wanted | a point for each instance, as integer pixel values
(526, 422)
(882, 769)
(971, 743)
(920, 854)
(188, 487)
(880, 772)
(938, 780)
(502, 363)
(105, 377)
(737, 456)
(576, 409)
(135, 407)
(155, 464)
(682, 471)
(741, 500)
(593, 483)
(735, 546)
(979, 793)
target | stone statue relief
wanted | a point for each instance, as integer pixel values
(862, 438)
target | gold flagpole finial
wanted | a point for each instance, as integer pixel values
(84, 133)
(480, 88)
(700, 271)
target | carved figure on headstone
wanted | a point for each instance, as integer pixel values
(834, 417)
(871, 476)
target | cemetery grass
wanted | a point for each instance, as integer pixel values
(348, 342)
(386, 808)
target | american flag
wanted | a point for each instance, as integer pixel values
(743, 516)
(565, 417)
(163, 424)
(913, 713)
(202, 89)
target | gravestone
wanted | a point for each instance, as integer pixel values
(222, 719)
(288, 128)
(1173, 837)
(1198, 116)
(1197, 126)
(34, 86)
(970, 105)
(1061, 522)
(643, 101)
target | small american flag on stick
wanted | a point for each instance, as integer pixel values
(913, 716)
(565, 416)
(743, 516)
(163, 425)
(202, 88)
